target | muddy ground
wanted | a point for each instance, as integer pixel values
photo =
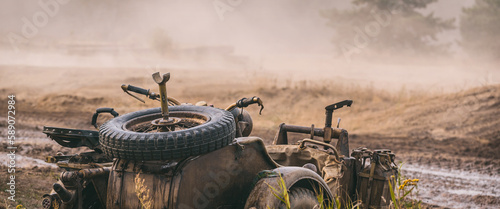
(450, 141)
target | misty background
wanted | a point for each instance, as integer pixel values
(291, 38)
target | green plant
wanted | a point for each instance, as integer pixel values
(349, 204)
(321, 200)
(283, 195)
(282, 192)
(404, 195)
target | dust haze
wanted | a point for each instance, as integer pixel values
(289, 39)
(67, 58)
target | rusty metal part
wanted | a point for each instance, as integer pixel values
(293, 155)
(63, 193)
(168, 125)
(335, 133)
(73, 138)
(281, 137)
(93, 172)
(312, 131)
(69, 176)
(144, 123)
(327, 134)
(101, 188)
(161, 81)
(230, 107)
(343, 142)
(372, 180)
(244, 122)
(51, 201)
(47, 202)
(173, 101)
(329, 114)
(338, 176)
(330, 108)
(79, 166)
(165, 123)
(335, 152)
(50, 159)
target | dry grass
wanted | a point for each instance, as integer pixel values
(142, 192)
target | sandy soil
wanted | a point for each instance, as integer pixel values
(450, 140)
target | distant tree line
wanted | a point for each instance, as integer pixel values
(480, 28)
(400, 26)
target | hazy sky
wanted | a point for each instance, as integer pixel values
(279, 26)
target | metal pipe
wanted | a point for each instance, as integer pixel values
(161, 81)
(307, 130)
(63, 193)
(93, 172)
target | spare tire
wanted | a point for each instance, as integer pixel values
(201, 130)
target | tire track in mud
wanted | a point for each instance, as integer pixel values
(455, 188)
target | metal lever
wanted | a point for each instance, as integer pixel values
(329, 114)
(329, 110)
(161, 81)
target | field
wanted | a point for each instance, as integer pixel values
(448, 137)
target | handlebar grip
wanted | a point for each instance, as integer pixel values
(102, 110)
(248, 101)
(138, 90)
(245, 102)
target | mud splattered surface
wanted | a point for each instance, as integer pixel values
(455, 188)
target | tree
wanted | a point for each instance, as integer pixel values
(387, 25)
(480, 28)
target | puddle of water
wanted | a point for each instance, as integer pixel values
(467, 175)
(453, 188)
(464, 192)
(25, 162)
(29, 139)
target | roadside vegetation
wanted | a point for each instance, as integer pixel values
(404, 194)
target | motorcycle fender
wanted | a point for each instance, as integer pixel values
(262, 195)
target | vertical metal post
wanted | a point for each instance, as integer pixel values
(161, 81)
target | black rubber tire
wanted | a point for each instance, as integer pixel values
(301, 198)
(216, 133)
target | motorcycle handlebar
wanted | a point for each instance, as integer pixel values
(135, 89)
